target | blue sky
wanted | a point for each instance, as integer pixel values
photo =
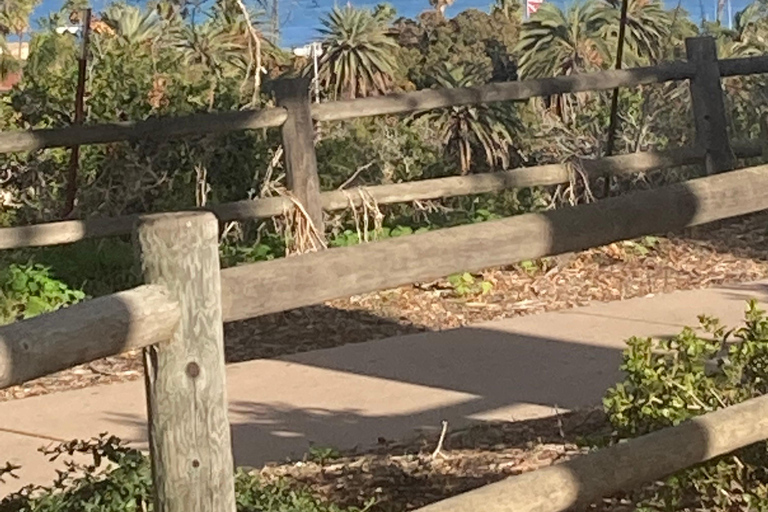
(300, 17)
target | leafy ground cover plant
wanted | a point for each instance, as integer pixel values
(30, 290)
(671, 380)
(117, 478)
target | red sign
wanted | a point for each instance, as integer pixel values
(531, 6)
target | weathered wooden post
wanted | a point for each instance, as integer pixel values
(709, 106)
(299, 147)
(189, 433)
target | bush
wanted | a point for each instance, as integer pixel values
(30, 290)
(670, 381)
(118, 479)
(97, 266)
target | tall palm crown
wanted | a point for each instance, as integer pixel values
(487, 127)
(132, 24)
(358, 54)
(555, 42)
(649, 27)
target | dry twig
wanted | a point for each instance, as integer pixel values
(439, 450)
(253, 41)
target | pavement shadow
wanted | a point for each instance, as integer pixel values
(369, 394)
(306, 329)
(460, 376)
(395, 388)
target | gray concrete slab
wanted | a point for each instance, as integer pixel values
(349, 396)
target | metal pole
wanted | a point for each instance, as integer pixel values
(614, 121)
(74, 159)
(315, 46)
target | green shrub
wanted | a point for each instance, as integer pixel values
(118, 479)
(670, 381)
(30, 290)
(97, 266)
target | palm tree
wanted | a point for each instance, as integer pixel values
(648, 29)
(508, 8)
(358, 54)
(464, 128)
(680, 28)
(214, 46)
(554, 42)
(132, 24)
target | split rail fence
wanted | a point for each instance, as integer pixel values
(177, 316)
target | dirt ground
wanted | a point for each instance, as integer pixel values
(730, 251)
(410, 475)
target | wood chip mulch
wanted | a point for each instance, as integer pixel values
(726, 252)
(410, 475)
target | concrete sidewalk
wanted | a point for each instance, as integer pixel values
(351, 395)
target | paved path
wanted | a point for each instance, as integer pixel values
(350, 396)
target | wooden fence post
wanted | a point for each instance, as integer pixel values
(709, 106)
(299, 147)
(189, 433)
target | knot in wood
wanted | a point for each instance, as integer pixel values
(193, 370)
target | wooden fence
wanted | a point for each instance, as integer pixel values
(177, 316)
(295, 113)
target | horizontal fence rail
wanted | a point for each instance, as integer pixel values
(146, 315)
(64, 232)
(203, 124)
(575, 484)
(318, 277)
(91, 330)
(505, 91)
(743, 66)
(158, 129)
(178, 317)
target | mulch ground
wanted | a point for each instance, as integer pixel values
(407, 476)
(726, 252)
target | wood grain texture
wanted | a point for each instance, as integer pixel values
(575, 484)
(313, 278)
(72, 231)
(98, 328)
(159, 129)
(743, 66)
(299, 145)
(404, 103)
(708, 105)
(189, 432)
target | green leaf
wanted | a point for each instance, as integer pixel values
(19, 283)
(35, 306)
